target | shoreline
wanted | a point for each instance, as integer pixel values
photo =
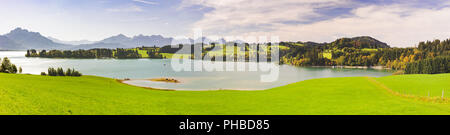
(353, 67)
(167, 89)
(166, 80)
(149, 88)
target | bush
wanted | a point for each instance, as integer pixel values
(43, 74)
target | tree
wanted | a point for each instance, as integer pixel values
(28, 53)
(60, 72)
(428, 66)
(69, 72)
(7, 67)
(52, 72)
(341, 60)
(13, 69)
(76, 73)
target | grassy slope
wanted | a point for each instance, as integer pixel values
(419, 85)
(29, 94)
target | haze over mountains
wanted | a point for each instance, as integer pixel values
(122, 41)
(8, 44)
(71, 42)
(22, 39)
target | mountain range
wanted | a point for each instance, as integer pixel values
(22, 39)
(122, 41)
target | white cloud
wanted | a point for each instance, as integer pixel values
(395, 24)
(146, 2)
(398, 25)
(243, 14)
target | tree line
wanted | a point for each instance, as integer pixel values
(428, 57)
(429, 66)
(118, 53)
(61, 72)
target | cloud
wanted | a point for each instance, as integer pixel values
(131, 8)
(146, 2)
(397, 24)
(256, 14)
(134, 20)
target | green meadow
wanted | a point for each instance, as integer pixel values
(91, 95)
(424, 85)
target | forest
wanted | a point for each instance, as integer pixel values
(426, 58)
(119, 53)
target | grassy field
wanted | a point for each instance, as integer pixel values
(419, 85)
(369, 50)
(171, 55)
(31, 94)
(167, 55)
(143, 53)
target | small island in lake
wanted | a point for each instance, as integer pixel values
(167, 80)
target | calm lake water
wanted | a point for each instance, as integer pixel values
(137, 69)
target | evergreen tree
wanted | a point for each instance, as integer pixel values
(69, 72)
(60, 72)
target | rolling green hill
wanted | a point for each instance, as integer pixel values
(359, 42)
(31, 94)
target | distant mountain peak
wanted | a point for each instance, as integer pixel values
(32, 40)
(19, 29)
(118, 37)
(121, 35)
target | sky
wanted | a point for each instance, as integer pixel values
(399, 23)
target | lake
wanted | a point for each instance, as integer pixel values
(140, 69)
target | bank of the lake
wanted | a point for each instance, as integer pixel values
(88, 95)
